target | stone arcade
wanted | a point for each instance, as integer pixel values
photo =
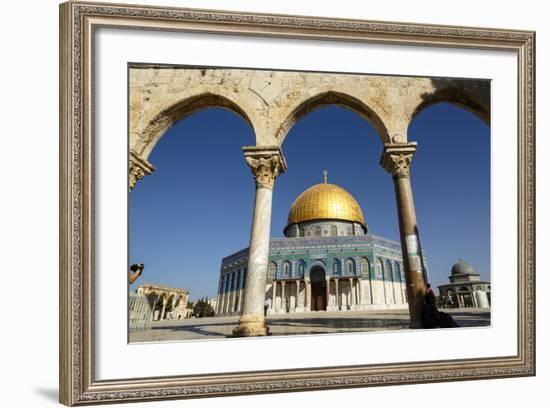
(271, 102)
(327, 262)
(166, 302)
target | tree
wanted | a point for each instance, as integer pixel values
(201, 308)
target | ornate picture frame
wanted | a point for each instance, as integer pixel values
(78, 24)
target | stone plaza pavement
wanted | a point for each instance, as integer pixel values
(300, 323)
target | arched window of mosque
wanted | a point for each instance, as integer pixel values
(397, 272)
(301, 268)
(336, 267)
(272, 269)
(286, 268)
(364, 266)
(379, 268)
(318, 231)
(388, 271)
(350, 266)
(333, 230)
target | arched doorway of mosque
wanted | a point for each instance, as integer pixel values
(318, 289)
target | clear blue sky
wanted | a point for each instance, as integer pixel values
(197, 206)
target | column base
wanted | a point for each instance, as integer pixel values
(251, 326)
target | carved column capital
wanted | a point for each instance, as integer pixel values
(137, 169)
(266, 164)
(396, 159)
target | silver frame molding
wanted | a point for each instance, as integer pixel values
(78, 21)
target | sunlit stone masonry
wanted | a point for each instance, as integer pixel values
(271, 102)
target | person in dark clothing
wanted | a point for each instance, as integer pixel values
(430, 314)
(137, 270)
(430, 295)
(431, 317)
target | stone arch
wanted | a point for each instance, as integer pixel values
(379, 269)
(318, 277)
(159, 124)
(365, 266)
(152, 297)
(318, 262)
(397, 268)
(332, 98)
(388, 270)
(336, 267)
(178, 299)
(473, 96)
(301, 267)
(272, 270)
(350, 266)
(158, 305)
(287, 269)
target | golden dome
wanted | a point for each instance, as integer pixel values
(325, 201)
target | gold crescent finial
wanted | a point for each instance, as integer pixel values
(325, 173)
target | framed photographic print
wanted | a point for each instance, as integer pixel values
(259, 203)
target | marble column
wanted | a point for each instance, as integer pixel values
(236, 293)
(232, 297)
(283, 303)
(226, 295)
(218, 303)
(228, 301)
(273, 295)
(353, 300)
(396, 159)
(241, 295)
(173, 305)
(266, 163)
(155, 307)
(222, 297)
(308, 295)
(164, 303)
(337, 295)
(328, 293)
(297, 305)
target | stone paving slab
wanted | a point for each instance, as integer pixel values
(300, 324)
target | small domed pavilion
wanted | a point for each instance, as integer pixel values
(466, 289)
